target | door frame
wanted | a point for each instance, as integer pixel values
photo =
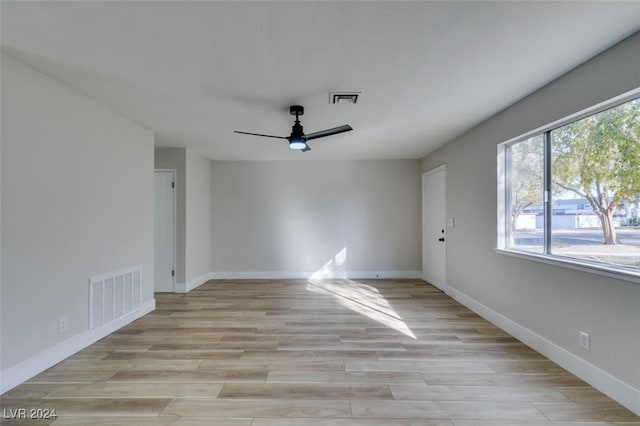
(174, 172)
(442, 167)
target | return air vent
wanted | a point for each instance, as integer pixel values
(114, 295)
(343, 97)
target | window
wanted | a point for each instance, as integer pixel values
(525, 180)
(571, 192)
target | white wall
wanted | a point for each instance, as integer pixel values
(198, 217)
(77, 201)
(293, 217)
(550, 301)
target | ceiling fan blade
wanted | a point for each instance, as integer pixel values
(328, 132)
(259, 134)
(306, 148)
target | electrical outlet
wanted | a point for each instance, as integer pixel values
(63, 323)
(585, 341)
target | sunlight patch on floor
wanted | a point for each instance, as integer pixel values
(362, 298)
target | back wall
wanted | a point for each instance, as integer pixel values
(296, 218)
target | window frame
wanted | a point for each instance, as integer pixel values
(504, 198)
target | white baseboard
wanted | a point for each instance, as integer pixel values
(13, 376)
(611, 386)
(283, 275)
(190, 285)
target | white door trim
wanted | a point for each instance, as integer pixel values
(442, 167)
(434, 170)
(175, 218)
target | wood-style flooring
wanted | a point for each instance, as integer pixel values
(296, 353)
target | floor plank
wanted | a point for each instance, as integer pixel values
(424, 392)
(258, 408)
(94, 406)
(601, 411)
(349, 422)
(305, 391)
(447, 410)
(140, 390)
(151, 421)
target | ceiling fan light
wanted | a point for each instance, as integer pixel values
(297, 143)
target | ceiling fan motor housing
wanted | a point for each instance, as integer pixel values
(296, 110)
(296, 130)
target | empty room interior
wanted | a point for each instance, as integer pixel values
(320, 213)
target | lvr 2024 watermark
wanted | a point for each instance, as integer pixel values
(29, 413)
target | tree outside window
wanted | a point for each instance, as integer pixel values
(598, 158)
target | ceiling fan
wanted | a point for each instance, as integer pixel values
(298, 140)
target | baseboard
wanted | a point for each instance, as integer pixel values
(13, 376)
(283, 275)
(190, 285)
(611, 386)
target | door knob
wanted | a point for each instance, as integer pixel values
(441, 239)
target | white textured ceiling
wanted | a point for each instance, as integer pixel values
(196, 71)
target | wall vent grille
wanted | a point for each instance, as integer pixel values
(114, 296)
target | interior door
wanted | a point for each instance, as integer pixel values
(165, 237)
(434, 243)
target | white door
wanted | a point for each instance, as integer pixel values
(434, 248)
(165, 237)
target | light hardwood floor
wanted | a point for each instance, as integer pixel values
(295, 353)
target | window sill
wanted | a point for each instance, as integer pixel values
(592, 268)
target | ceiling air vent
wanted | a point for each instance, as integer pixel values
(343, 97)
